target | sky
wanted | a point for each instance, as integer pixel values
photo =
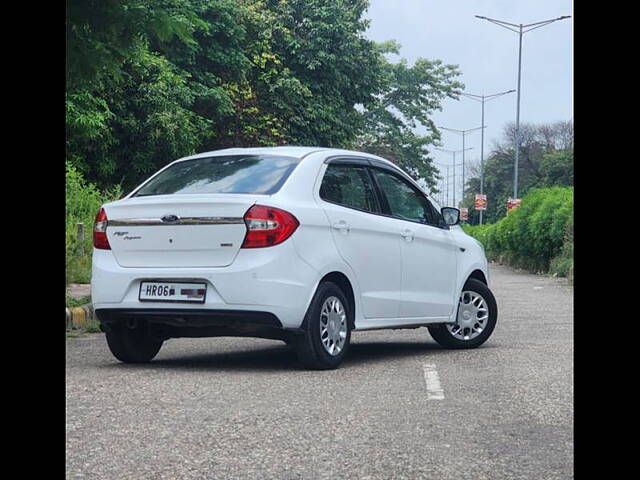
(487, 56)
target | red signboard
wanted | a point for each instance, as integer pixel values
(481, 202)
(513, 203)
(464, 214)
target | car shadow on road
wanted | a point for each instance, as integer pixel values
(283, 358)
(373, 352)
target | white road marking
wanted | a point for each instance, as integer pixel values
(432, 380)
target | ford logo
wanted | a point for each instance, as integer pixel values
(170, 218)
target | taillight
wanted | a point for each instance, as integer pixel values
(267, 226)
(100, 239)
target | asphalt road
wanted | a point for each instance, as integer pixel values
(244, 408)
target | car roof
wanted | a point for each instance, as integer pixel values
(285, 150)
(293, 151)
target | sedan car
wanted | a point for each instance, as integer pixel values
(299, 244)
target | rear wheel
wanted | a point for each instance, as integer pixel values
(327, 333)
(476, 319)
(132, 345)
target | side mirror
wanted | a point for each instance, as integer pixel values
(451, 215)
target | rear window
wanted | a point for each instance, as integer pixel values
(348, 185)
(259, 174)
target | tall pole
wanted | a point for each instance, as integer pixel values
(482, 157)
(515, 167)
(447, 185)
(463, 132)
(454, 170)
(454, 179)
(520, 30)
(483, 98)
(462, 199)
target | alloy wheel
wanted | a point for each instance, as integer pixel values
(333, 326)
(473, 316)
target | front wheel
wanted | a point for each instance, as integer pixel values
(476, 319)
(327, 332)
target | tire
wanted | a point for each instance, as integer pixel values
(132, 345)
(448, 335)
(310, 346)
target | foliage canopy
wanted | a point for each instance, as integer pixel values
(149, 81)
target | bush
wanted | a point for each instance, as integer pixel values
(537, 236)
(83, 200)
(562, 264)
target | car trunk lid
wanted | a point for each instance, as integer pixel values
(178, 230)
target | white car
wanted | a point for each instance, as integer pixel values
(298, 244)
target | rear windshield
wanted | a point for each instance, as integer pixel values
(259, 174)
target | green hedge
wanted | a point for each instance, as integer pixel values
(83, 202)
(537, 236)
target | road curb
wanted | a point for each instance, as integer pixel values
(78, 317)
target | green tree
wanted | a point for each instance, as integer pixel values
(112, 76)
(149, 81)
(101, 35)
(312, 68)
(410, 96)
(556, 168)
(147, 123)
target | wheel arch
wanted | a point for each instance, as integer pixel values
(476, 270)
(344, 283)
(478, 275)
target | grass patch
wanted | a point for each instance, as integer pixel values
(78, 268)
(76, 302)
(93, 326)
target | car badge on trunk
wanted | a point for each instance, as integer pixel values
(170, 218)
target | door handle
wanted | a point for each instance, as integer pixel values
(407, 234)
(342, 226)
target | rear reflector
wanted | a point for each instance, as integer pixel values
(267, 226)
(100, 239)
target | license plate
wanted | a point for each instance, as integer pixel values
(172, 292)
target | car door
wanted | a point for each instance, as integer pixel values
(365, 239)
(427, 249)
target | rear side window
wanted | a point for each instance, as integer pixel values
(258, 174)
(404, 200)
(349, 185)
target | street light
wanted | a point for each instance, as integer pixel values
(444, 194)
(463, 132)
(482, 99)
(520, 30)
(454, 169)
(445, 181)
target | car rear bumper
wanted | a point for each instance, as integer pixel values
(174, 322)
(191, 317)
(261, 283)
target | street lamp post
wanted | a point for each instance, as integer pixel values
(463, 132)
(520, 29)
(454, 170)
(447, 185)
(445, 182)
(482, 99)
